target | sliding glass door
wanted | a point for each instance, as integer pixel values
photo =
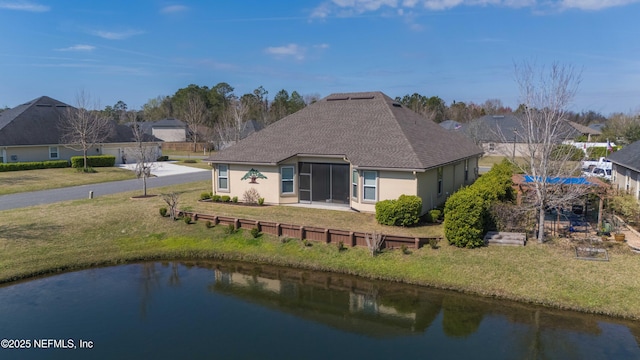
(324, 183)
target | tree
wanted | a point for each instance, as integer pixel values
(229, 129)
(144, 155)
(82, 128)
(157, 108)
(545, 95)
(193, 112)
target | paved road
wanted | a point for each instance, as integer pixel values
(14, 201)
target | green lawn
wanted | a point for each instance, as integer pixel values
(116, 229)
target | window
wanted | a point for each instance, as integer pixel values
(53, 152)
(466, 170)
(354, 184)
(627, 181)
(439, 181)
(369, 185)
(286, 176)
(223, 177)
(492, 147)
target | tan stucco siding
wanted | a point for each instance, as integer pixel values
(40, 153)
(390, 185)
(170, 135)
(268, 188)
(621, 177)
(505, 149)
(428, 189)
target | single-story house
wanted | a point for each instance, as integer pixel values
(502, 135)
(31, 132)
(348, 150)
(168, 130)
(625, 174)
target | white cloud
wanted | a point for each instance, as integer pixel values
(173, 9)
(290, 50)
(321, 46)
(345, 8)
(78, 47)
(114, 35)
(23, 6)
(594, 4)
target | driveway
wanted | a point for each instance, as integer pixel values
(165, 168)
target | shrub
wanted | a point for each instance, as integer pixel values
(234, 199)
(255, 232)
(251, 196)
(225, 198)
(433, 243)
(306, 243)
(163, 211)
(215, 198)
(34, 165)
(402, 212)
(186, 219)
(434, 215)
(87, 170)
(93, 161)
(340, 246)
(162, 158)
(566, 151)
(205, 196)
(260, 201)
(208, 224)
(284, 239)
(189, 161)
(405, 250)
(230, 229)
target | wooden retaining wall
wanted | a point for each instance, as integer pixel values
(327, 236)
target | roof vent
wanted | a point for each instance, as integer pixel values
(44, 105)
(61, 106)
(366, 97)
(338, 98)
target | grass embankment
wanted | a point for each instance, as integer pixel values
(116, 229)
(44, 179)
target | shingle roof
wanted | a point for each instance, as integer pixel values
(37, 123)
(32, 123)
(585, 129)
(370, 129)
(501, 128)
(628, 156)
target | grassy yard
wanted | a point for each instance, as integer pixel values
(59, 237)
(33, 180)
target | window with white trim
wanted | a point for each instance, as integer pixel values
(370, 185)
(286, 178)
(440, 181)
(223, 177)
(354, 184)
(54, 152)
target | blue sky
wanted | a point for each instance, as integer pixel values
(462, 50)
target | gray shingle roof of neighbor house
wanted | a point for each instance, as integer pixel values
(451, 125)
(37, 123)
(369, 128)
(32, 123)
(628, 156)
(503, 128)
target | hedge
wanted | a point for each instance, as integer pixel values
(405, 211)
(566, 151)
(94, 161)
(466, 212)
(33, 165)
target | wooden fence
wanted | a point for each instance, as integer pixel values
(328, 236)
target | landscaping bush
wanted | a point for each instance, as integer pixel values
(215, 198)
(434, 215)
(405, 211)
(255, 232)
(186, 219)
(260, 201)
(205, 196)
(162, 158)
(230, 229)
(566, 151)
(208, 224)
(467, 212)
(225, 198)
(251, 196)
(163, 211)
(189, 161)
(597, 152)
(93, 161)
(234, 199)
(33, 165)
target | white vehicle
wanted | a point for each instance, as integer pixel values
(599, 172)
(602, 163)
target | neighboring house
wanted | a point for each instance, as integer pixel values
(451, 125)
(227, 137)
(350, 150)
(626, 169)
(585, 130)
(31, 132)
(502, 135)
(168, 130)
(597, 127)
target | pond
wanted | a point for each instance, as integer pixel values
(245, 311)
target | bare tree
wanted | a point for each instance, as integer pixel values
(82, 128)
(231, 126)
(194, 113)
(144, 153)
(546, 93)
(374, 242)
(172, 200)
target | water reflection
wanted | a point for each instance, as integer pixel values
(238, 310)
